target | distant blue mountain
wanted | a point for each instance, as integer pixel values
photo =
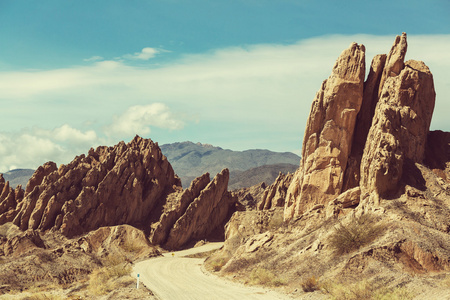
(18, 176)
(190, 160)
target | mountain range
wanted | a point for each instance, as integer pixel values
(190, 160)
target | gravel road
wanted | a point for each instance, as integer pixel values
(176, 277)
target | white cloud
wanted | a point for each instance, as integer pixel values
(251, 91)
(138, 119)
(30, 148)
(145, 54)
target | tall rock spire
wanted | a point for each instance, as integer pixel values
(328, 135)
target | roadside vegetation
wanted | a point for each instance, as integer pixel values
(364, 290)
(359, 232)
(103, 280)
(265, 277)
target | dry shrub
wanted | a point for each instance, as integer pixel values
(263, 276)
(364, 290)
(446, 281)
(216, 261)
(237, 264)
(276, 221)
(310, 284)
(130, 246)
(218, 264)
(100, 280)
(359, 232)
(400, 293)
(44, 296)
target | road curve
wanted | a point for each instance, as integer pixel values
(174, 277)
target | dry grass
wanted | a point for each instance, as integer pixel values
(101, 279)
(364, 290)
(310, 284)
(265, 277)
(218, 264)
(276, 221)
(130, 246)
(446, 281)
(359, 232)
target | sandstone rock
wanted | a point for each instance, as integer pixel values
(175, 206)
(8, 200)
(39, 175)
(248, 198)
(399, 128)
(275, 194)
(348, 199)
(364, 121)
(207, 213)
(109, 186)
(437, 154)
(394, 61)
(329, 133)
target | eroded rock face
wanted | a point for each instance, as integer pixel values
(329, 134)
(130, 184)
(205, 214)
(400, 126)
(174, 208)
(342, 151)
(275, 194)
(109, 186)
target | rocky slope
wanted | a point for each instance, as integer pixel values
(52, 267)
(369, 208)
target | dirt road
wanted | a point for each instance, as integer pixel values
(177, 277)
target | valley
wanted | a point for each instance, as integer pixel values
(365, 214)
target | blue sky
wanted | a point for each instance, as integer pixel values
(236, 74)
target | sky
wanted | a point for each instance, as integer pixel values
(238, 74)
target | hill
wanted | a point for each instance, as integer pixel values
(18, 176)
(251, 177)
(190, 160)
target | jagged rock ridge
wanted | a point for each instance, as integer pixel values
(125, 184)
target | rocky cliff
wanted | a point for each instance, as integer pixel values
(361, 134)
(329, 134)
(367, 214)
(126, 184)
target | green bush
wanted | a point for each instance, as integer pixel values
(359, 232)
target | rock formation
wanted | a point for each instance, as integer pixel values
(109, 186)
(361, 135)
(329, 134)
(126, 184)
(275, 194)
(205, 214)
(399, 129)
